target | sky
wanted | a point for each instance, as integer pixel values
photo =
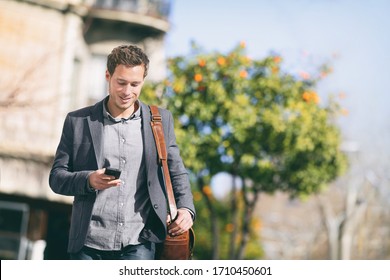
(353, 35)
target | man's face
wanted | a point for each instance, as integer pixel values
(124, 87)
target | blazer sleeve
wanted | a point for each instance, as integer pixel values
(63, 179)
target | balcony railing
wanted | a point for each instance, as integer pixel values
(154, 8)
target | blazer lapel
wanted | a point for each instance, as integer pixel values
(150, 151)
(95, 122)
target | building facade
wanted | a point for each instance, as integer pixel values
(52, 60)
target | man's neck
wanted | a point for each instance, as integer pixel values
(123, 114)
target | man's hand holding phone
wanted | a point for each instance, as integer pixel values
(105, 178)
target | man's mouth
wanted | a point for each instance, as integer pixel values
(126, 99)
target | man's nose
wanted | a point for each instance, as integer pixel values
(128, 89)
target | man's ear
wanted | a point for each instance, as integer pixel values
(108, 75)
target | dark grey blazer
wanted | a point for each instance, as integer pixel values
(80, 152)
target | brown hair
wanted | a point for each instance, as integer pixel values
(128, 55)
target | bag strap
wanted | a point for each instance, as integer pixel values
(158, 133)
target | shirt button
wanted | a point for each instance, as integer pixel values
(120, 224)
(155, 206)
(123, 140)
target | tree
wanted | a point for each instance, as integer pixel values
(261, 124)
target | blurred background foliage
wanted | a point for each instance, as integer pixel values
(267, 128)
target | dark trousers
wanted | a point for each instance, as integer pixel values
(144, 251)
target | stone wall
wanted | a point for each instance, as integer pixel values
(38, 46)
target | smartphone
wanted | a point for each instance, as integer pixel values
(113, 172)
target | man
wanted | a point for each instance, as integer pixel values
(119, 218)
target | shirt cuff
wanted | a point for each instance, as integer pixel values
(191, 213)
